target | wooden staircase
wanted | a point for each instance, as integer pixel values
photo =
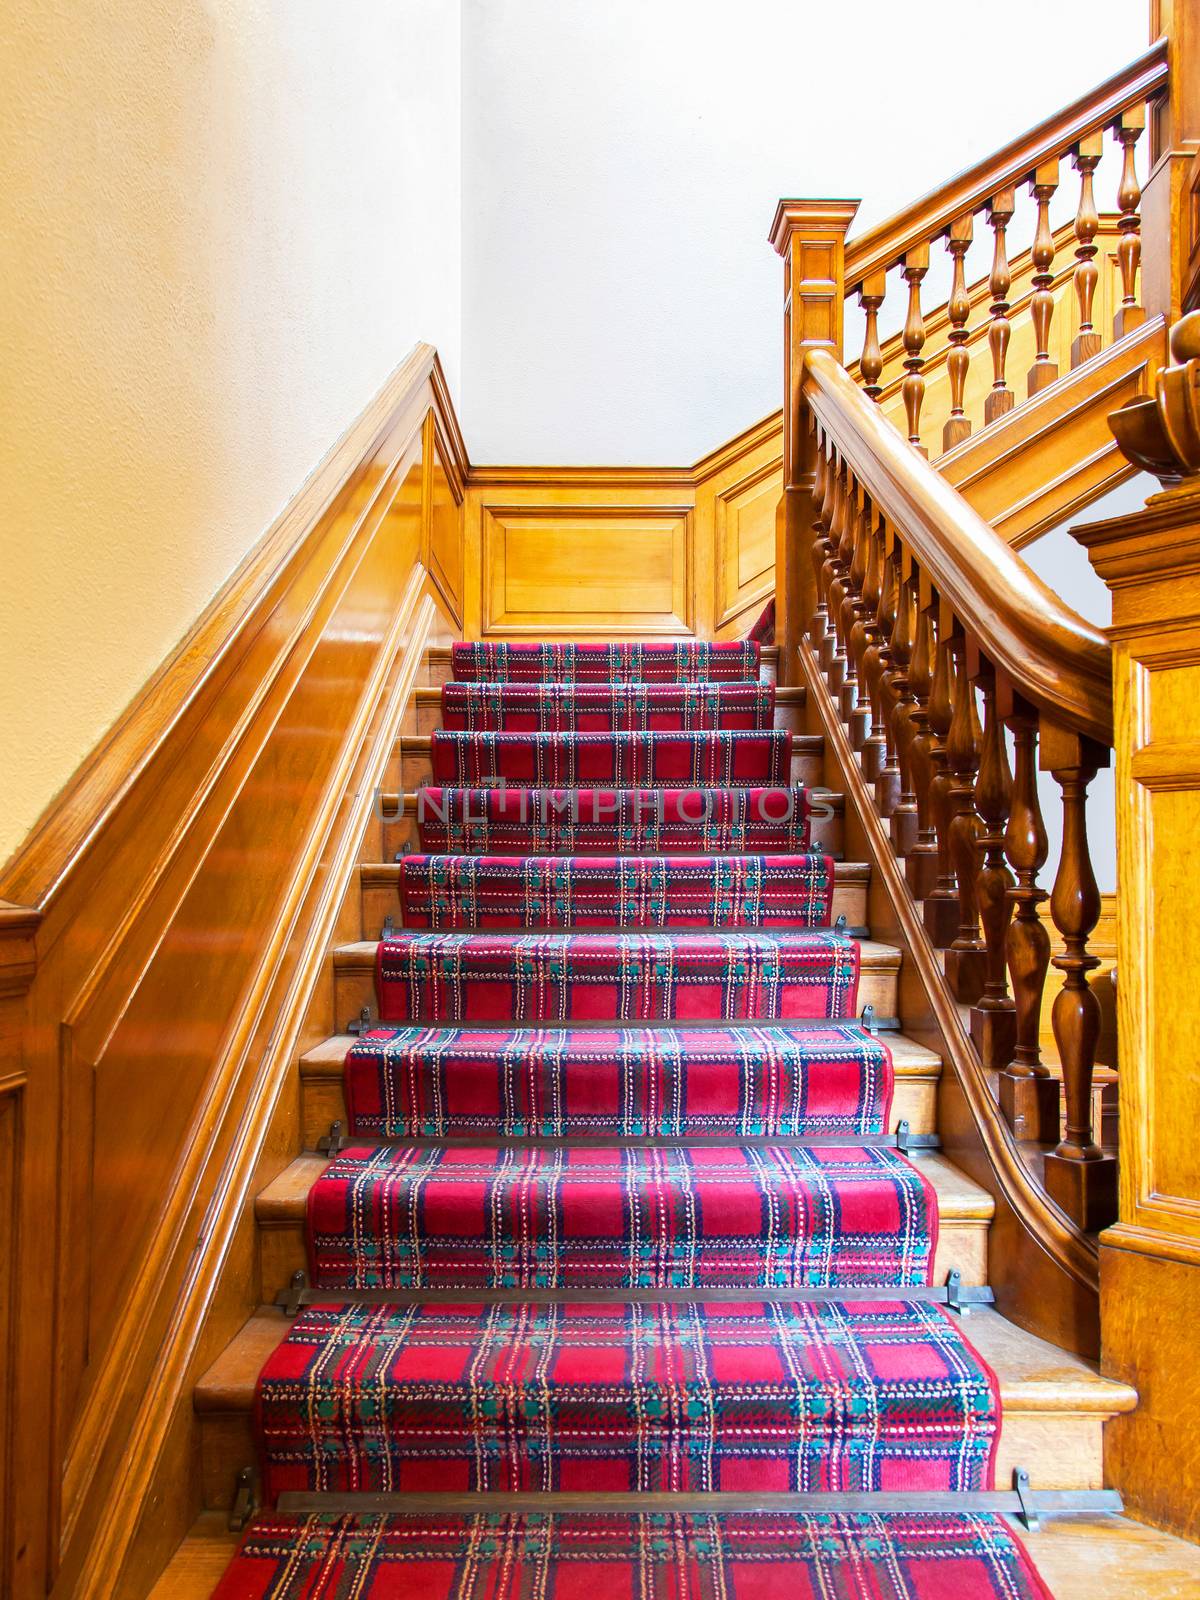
(1055, 1404)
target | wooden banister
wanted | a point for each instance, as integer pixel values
(930, 217)
(1058, 662)
(926, 620)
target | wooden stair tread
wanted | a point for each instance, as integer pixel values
(803, 744)
(1033, 1376)
(1079, 1557)
(960, 1200)
(445, 652)
(792, 694)
(909, 1059)
(385, 872)
(393, 805)
(360, 953)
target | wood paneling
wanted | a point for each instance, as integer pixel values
(1150, 1261)
(169, 920)
(607, 571)
(624, 552)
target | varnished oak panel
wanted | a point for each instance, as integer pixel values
(169, 919)
(584, 570)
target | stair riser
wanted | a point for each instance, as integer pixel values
(961, 1244)
(807, 767)
(1061, 1450)
(787, 717)
(354, 988)
(400, 834)
(380, 900)
(323, 1102)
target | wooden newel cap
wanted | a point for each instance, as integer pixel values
(1162, 435)
(810, 216)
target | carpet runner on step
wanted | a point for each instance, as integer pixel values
(740, 1081)
(605, 707)
(734, 660)
(613, 760)
(535, 1218)
(513, 821)
(647, 1556)
(545, 891)
(623, 977)
(757, 1395)
(617, 934)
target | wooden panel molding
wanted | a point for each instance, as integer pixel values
(624, 552)
(607, 571)
(162, 933)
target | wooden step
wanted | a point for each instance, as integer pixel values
(1080, 1558)
(789, 707)
(964, 1212)
(322, 1101)
(354, 979)
(438, 662)
(379, 882)
(808, 756)
(1054, 1405)
(399, 811)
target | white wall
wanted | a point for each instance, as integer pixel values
(222, 224)
(622, 161)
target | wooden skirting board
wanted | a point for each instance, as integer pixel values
(162, 935)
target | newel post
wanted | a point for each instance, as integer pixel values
(810, 235)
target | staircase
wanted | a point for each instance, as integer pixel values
(620, 1200)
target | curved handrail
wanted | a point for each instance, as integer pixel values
(1058, 661)
(882, 246)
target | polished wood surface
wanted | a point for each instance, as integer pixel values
(1151, 1258)
(579, 552)
(165, 928)
(929, 217)
(1057, 660)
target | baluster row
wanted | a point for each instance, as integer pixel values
(909, 683)
(999, 211)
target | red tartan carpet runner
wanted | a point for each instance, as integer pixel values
(542, 891)
(613, 760)
(710, 1217)
(567, 1247)
(740, 1081)
(515, 821)
(640, 1557)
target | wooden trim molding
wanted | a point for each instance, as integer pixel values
(625, 552)
(162, 934)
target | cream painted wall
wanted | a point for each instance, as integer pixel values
(223, 223)
(622, 162)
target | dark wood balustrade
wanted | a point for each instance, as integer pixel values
(993, 192)
(934, 638)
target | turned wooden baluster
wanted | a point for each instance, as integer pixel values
(870, 366)
(849, 696)
(921, 862)
(957, 426)
(1000, 214)
(940, 909)
(887, 782)
(1127, 132)
(1041, 309)
(904, 637)
(1079, 1175)
(830, 645)
(1029, 1097)
(857, 715)
(823, 553)
(1086, 159)
(966, 957)
(874, 749)
(819, 621)
(916, 265)
(839, 567)
(993, 1018)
